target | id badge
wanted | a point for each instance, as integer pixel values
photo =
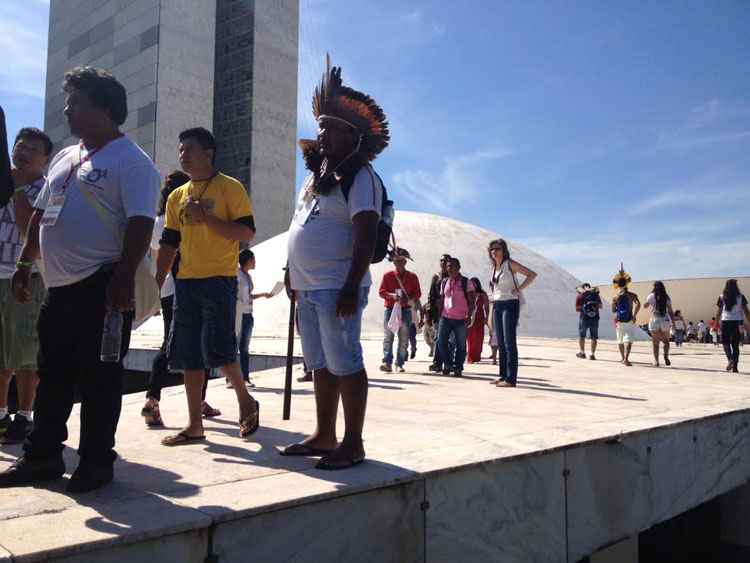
(53, 210)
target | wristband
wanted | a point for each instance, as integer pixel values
(23, 264)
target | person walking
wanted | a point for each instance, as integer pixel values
(588, 305)
(459, 297)
(398, 286)
(713, 331)
(679, 328)
(690, 332)
(660, 323)
(332, 240)
(506, 294)
(625, 306)
(731, 308)
(19, 344)
(206, 219)
(151, 411)
(245, 298)
(702, 331)
(91, 225)
(435, 309)
(475, 335)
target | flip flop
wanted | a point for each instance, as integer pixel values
(208, 411)
(181, 439)
(330, 463)
(303, 450)
(250, 424)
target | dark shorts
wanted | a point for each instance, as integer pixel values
(203, 334)
(591, 326)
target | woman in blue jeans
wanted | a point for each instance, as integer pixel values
(505, 296)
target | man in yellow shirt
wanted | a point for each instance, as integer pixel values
(206, 219)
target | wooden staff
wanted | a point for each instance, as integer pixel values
(289, 354)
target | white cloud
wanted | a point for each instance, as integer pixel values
(707, 198)
(461, 180)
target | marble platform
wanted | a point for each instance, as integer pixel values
(581, 455)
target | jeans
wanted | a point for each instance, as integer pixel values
(505, 322)
(413, 338)
(69, 358)
(679, 336)
(446, 328)
(403, 338)
(245, 333)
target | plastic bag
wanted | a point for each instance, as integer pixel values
(394, 323)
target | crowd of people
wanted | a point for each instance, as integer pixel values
(81, 223)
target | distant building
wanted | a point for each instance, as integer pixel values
(227, 65)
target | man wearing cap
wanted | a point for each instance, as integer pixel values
(588, 304)
(398, 286)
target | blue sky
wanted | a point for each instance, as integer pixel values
(592, 132)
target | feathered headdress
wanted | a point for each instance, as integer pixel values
(333, 100)
(621, 275)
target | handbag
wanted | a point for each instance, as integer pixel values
(146, 292)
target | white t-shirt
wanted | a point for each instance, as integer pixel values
(321, 235)
(167, 288)
(737, 312)
(244, 292)
(11, 238)
(651, 301)
(122, 179)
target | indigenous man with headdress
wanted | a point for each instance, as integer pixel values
(625, 306)
(332, 239)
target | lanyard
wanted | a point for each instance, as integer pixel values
(81, 162)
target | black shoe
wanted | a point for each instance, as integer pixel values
(5, 423)
(19, 429)
(434, 367)
(413, 354)
(458, 373)
(25, 471)
(446, 371)
(89, 478)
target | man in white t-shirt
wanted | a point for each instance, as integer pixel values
(92, 225)
(332, 239)
(19, 344)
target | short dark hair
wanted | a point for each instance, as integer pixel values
(103, 89)
(455, 261)
(204, 137)
(445, 257)
(245, 256)
(174, 180)
(32, 133)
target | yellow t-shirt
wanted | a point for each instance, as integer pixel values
(204, 253)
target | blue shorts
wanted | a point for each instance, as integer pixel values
(330, 341)
(202, 334)
(591, 325)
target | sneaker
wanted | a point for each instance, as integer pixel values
(446, 371)
(6, 421)
(581, 355)
(89, 478)
(458, 373)
(434, 367)
(305, 378)
(249, 384)
(401, 369)
(25, 471)
(592, 357)
(385, 367)
(18, 430)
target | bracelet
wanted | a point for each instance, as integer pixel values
(23, 264)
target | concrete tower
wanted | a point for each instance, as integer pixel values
(227, 65)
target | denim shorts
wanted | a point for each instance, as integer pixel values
(330, 341)
(586, 324)
(202, 334)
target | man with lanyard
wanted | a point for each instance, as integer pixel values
(435, 307)
(459, 296)
(20, 343)
(332, 239)
(92, 223)
(398, 285)
(206, 220)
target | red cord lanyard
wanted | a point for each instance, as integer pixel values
(81, 162)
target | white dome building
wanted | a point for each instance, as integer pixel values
(550, 309)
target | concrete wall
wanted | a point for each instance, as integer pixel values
(696, 298)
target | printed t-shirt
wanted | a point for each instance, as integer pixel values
(735, 313)
(122, 179)
(455, 305)
(203, 252)
(321, 235)
(11, 237)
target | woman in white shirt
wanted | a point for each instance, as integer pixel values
(245, 298)
(505, 295)
(661, 313)
(679, 328)
(732, 309)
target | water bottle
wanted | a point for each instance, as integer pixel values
(111, 337)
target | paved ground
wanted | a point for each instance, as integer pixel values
(416, 423)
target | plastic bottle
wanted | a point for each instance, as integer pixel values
(111, 337)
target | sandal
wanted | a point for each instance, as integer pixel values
(333, 462)
(208, 411)
(303, 450)
(250, 424)
(151, 413)
(505, 384)
(182, 439)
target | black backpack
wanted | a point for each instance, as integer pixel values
(590, 305)
(385, 224)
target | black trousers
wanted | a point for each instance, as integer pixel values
(160, 365)
(70, 334)
(730, 338)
